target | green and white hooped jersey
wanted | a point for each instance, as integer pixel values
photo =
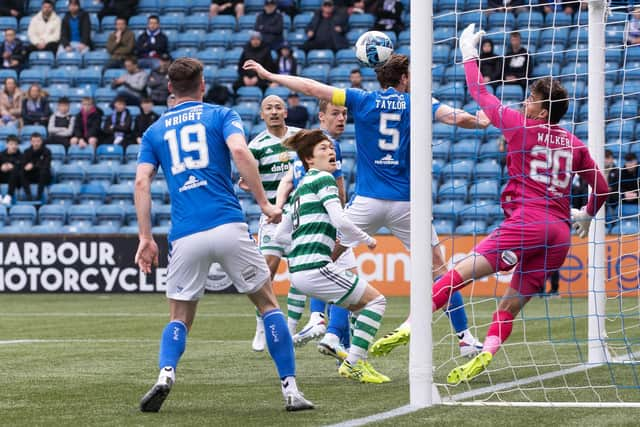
(273, 159)
(314, 235)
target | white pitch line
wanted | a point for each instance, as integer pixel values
(403, 410)
(108, 341)
(120, 314)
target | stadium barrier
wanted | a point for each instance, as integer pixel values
(104, 264)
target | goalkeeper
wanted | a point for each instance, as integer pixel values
(536, 234)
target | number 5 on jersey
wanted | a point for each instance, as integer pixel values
(392, 132)
(180, 144)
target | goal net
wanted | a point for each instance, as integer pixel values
(580, 346)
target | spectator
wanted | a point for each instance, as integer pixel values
(133, 84)
(145, 119)
(490, 63)
(629, 184)
(355, 78)
(217, 94)
(117, 127)
(35, 107)
(286, 62)
(579, 192)
(289, 7)
(559, 6)
(505, 5)
(171, 101)
(158, 80)
(633, 28)
(36, 167)
(151, 44)
(297, 115)
(388, 15)
(86, 129)
(123, 8)
(327, 29)
(44, 28)
(10, 168)
(612, 173)
(13, 51)
(516, 62)
(259, 52)
(227, 7)
(76, 29)
(15, 8)
(120, 44)
(61, 124)
(270, 24)
(10, 102)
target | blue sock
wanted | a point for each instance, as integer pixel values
(457, 314)
(317, 306)
(172, 344)
(339, 324)
(279, 342)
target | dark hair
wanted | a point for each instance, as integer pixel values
(131, 59)
(554, 97)
(13, 137)
(122, 18)
(630, 157)
(156, 17)
(185, 75)
(36, 135)
(303, 142)
(392, 70)
(145, 99)
(9, 29)
(48, 2)
(76, 2)
(355, 70)
(64, 100)
(608, 153)
(121, 99)
(516, 34)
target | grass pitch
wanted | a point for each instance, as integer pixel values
(84, 360)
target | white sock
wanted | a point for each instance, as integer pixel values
(165, 372)
(288, 385)
(356, 353)
(292, 324)
(331, 339)
(465, 336)
(259, 323)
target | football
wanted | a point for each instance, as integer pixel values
(373, 48)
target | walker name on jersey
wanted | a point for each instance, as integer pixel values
(188, 115)
(192, 183)
(391, 102)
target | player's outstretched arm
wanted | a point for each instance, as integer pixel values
(297, 84)
(581, 219)
(246, 164)
(285, 187)
(348, 229)
(456, 117)
(147, 253)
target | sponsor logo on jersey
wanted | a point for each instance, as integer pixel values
(268, 151)
(192, 183)
(387, 160)
(280, 168)
(249, 273)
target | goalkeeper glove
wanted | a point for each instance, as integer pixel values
(581, 222)
(469, 41)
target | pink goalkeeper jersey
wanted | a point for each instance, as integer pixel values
(541, 158)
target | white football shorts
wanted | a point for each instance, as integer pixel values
(230, 245)
(266, 239)
(330, 284)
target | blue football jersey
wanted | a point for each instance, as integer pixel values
(383, 130)
(435, 104)
(189, 143)
(298, 167)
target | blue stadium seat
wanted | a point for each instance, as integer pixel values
(63, 75)
(8, 22)
(27, 130)
(296, 38)
(488, 169)
(361, 20)
(23, 24)
(137, 23)
(110, 215)
(301, 21)
(442, 131)
(471, 228)
(30, 76)
(354, 35)
(159, 192)
(80, 156)
(544, 70)
(480, 210)
(247, 22)
(44, 229)
(527, 19)
(73, 174)
(347, 58)
(148, 6)
(101, 174)
(465, 149)
(457, 170)
(96, 57)
(441, 54)
(453, 91)
(130, 216)
(626, 109)
(196, 22)
(162, 214)
(453, 190)
(109, 153)
(472, 17)
(280, 91)
(231, 57)
(126, 174)
(557, 19)
(553, 37)
(441, 149)
(446, 20)
(227, 75)
(65, 58)
(614, 36)
(310, 5)
(626, 227)
(248, 111)
(45, 58)
(105, 229)
(89, 76)
(216, 39)
(120, 194)
(620, 130)
(131, 153)
(447, 210)
(320, 56)
(248, 94)
(171, 21)
(22, 215)
(52, 215)
(99, 40)
(240, 39)
(444, 227)
(189, 39)
(92, 194)
(501, 21)
(82, 215)
(184, 52)
(316, 72)
(340, 73)
(108, 24)
(510, 93)
(629, 210)
(253, 6)
(3, 215)
(223, 22)
(58, 153)
(484, 190)
(180, 6)
(61, 194)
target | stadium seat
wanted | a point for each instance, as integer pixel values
(108, 24)
(189, 39)
(45, 58)
(64, 58)
(447, 210)
(620, 130)
(72, 174)
(248, 94)
(30, 76)
(216, 39)
(280, 91)
(488, 169)
(58, 152)
(223, 22)
(99, 40)
(110, 215)
(320, 57)
(626, 227)
(301, 21)
(532, 19)
(465, 149)
(148, 6)
(247, 22)
(23, 24)
(131, 153)
(109, 153)
(82, 215)
(452, 91)
(162, 214)
(501, 21)
(211, 56)
(120, 194)
(347, 58)
(480, 210)
(248, 111)
(126, 174)
(510, 93)
(101, 174)
(472, 17)
(227, 75)
(43, 229)
(629, 210)
(22, 215)
(441, 149)
(444, 227)
(137, 23)
(457, 170)
(557, 19)
(52, 215)
(96, 57)
(553, 36)
(27, 130)
(471, 227)
(92, 194)
(105, 229)
(453, 190)
(626, 109)
(441, 54)
(484, 190)
(196, 22)
(159, 192)
(172, 22)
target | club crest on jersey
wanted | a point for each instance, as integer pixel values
(284, 157)
(192, 183)
(387, 160)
